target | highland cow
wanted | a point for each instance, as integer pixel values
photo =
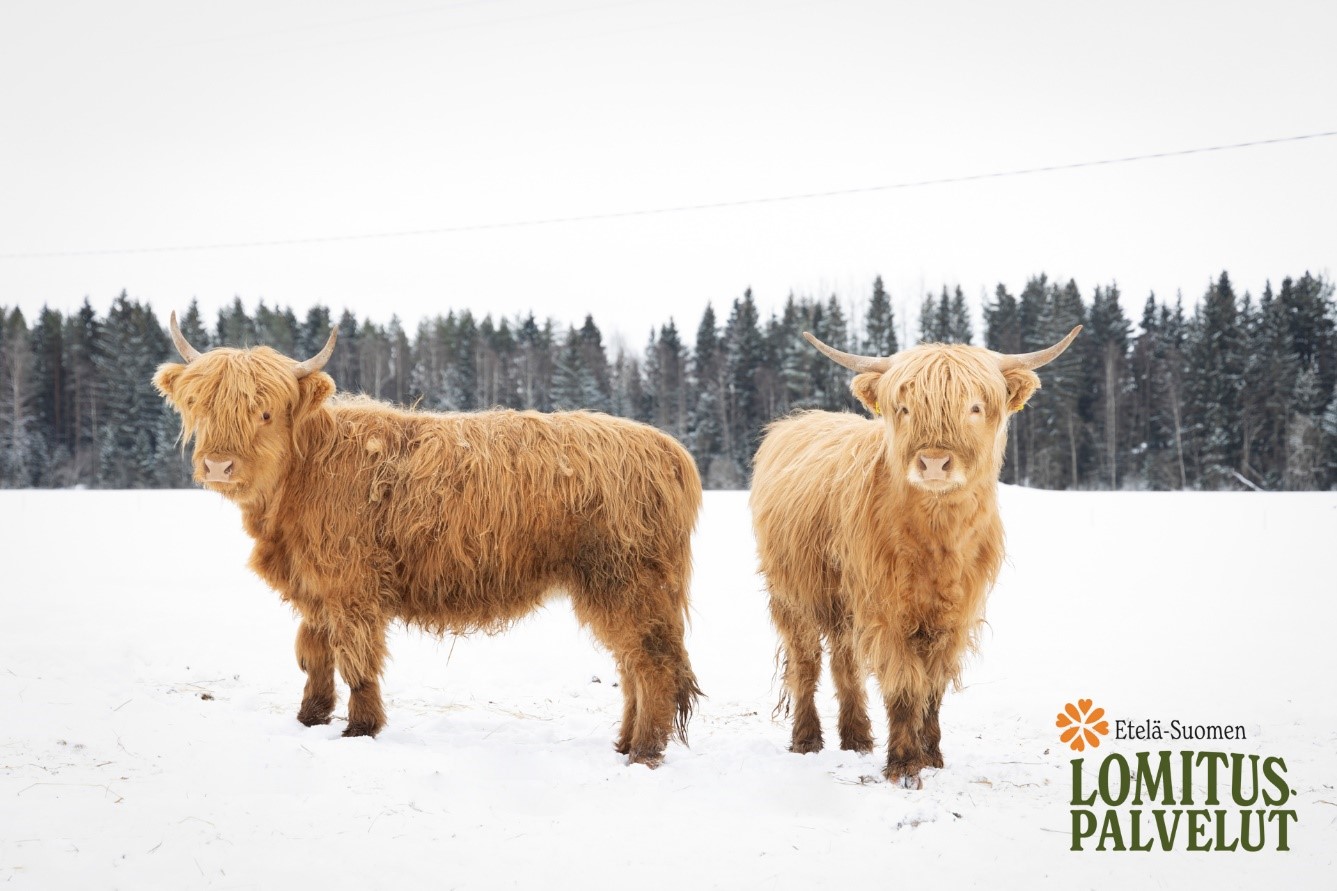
(363, 514)
(883, 537)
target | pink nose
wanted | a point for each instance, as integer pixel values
(219, 471)
(934, 467)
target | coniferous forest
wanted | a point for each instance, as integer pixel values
(1234, 392)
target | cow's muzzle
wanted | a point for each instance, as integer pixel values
(935, 469)
(933, 466)
(218, 469)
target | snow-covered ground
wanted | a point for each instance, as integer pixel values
(148, 690)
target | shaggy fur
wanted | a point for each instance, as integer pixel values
(363, 513)
(890, 569)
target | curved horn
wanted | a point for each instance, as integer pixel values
(1034, 360)
(188, 352)
(317, 362)
(849, 360)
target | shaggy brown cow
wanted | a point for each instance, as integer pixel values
(883, 537)
(363, 513)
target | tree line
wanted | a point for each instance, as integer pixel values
(1236, 393)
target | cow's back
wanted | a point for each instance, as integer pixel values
(469, 519)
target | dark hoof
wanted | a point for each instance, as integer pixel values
(361, 730)
(904, 774)
(649, 759)
(313, 716)
(622, 747)
(806, 746)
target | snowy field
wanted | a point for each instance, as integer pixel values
(148, 690)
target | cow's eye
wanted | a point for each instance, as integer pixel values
(977, 409)
(264, 416)
(904, 410)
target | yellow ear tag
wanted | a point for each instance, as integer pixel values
(877, 408)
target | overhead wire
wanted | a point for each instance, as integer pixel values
(673, 209)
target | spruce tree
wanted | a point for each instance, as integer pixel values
(880, 323)
(20, 448)
(742, 357)
(706, 439)
(1055, 419)
(535, 363)
(83, 346)
(51, 406)
(313, 332)
(598, 383)
(192, 326)
(1002, 333)
(574, 384)
(1269, 374)
(1107, 343)
(1213, 384)
(461, 384)
(833, 381)
(235, 327)
(959, 328)
(138, 443)
(275, 328)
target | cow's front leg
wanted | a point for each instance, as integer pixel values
(359, 654)
(316, 658)
(932, 742)
(905, 751)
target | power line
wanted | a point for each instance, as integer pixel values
(661, 211)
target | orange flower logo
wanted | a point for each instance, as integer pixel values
(1080, 722)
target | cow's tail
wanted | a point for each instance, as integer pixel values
(689, 693)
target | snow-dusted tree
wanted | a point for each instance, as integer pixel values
(743, 355)
(706, 438)
(138, 443)
(51, 403)
(1055, 422)
(1110, 385)
(534, 362)
(235, 327)
(20, 446)
(1213, 383)
(879, 323)
(666, 381)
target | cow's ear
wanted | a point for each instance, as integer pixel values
(864, 388)
(312, 390)
(166, 377)
(1021, 383)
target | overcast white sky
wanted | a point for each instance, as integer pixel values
(145, 125)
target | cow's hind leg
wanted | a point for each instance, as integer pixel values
(658, 685)
(802, 645)
(856, 733)
(316, 658)
(623, 744)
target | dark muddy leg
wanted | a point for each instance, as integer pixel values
(623, 744)
(905, 751)
(803, 666)
(359, 654)
(933, 732)
(315, 657)
(657, 682)
(856, 733)
(660, 669)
